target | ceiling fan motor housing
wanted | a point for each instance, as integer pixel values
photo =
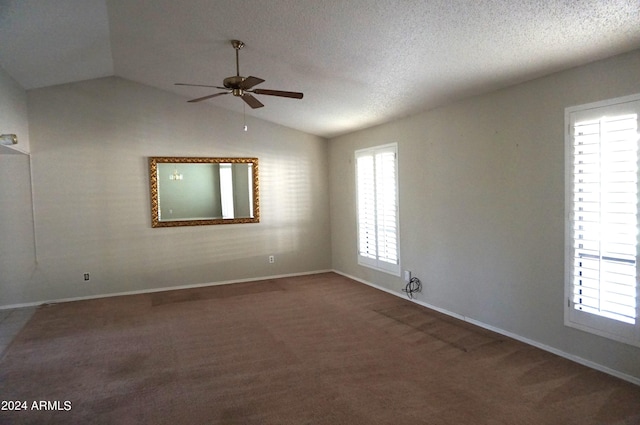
(233, 82)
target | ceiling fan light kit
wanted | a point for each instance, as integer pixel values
(242, 87)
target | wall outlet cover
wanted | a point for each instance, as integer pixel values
(407, 275)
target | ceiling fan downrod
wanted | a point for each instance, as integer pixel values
(237, 44)
(232, 82)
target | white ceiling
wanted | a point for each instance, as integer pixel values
(358, 62)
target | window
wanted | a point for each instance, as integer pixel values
(377, 208)
(602, 212)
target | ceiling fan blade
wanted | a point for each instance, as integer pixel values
(249, 82)
(252, 101)
(200, 99)
(291, 94)
(199, 85)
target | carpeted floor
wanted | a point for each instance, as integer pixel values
(318, 349)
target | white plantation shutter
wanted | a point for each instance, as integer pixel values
(377, 208)
(605, 198)
(603, 288)
(386, 207)
(366, 207)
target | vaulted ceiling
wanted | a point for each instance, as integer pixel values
(358, 62)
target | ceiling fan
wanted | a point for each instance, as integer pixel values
(242, 86)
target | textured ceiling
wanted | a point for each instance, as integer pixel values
(358, 62)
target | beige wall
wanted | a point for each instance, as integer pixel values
(481, 188)
(90, 142)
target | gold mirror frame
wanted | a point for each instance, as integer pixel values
(154, 188)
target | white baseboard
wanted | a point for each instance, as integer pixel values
(572, 357)
(152, 290)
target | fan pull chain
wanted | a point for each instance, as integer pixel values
(244, 117)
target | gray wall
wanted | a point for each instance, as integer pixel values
(481, 190)
(89, 147)
(17, 249)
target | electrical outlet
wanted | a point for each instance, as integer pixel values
(86, 276)
(407, 276)
(272, 259)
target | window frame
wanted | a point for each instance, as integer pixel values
(377, 263)
(593, 323)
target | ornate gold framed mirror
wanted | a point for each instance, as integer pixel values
(195, 191)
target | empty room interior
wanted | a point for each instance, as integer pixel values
(414, 217)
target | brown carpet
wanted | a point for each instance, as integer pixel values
(318, 349)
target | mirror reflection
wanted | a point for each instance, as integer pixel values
(190, 191)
